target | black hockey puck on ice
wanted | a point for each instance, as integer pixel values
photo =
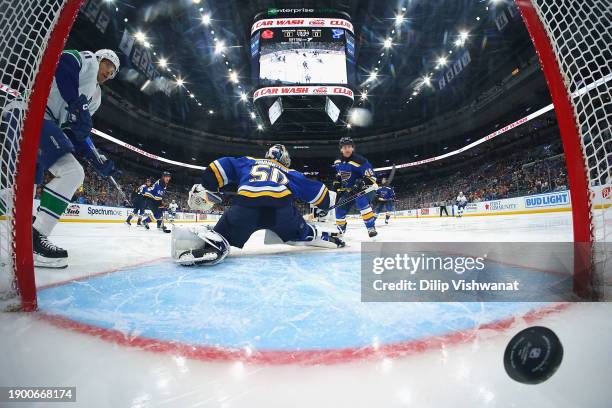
(533, 355)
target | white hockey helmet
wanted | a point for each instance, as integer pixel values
(109, 55)
(279, 153)
(198, 246)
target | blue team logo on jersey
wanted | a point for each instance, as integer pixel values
(337, 33)
(345, 175)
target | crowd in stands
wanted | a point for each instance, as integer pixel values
(504, 169)
(523, 173)
(97, 190)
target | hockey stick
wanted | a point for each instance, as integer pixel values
(112, 179)
(347, 200)
(391, 175)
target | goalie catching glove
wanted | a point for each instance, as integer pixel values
(198, 246)
(201, 199)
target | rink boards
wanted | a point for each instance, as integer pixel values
(558, 201)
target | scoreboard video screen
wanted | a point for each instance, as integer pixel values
(303, 51)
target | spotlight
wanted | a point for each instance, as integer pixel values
(399, 19)
(442, 61)
(206, 19)
(253, 115)
(387, 44)
(364, 95)
(219, 47)
(234, 77)
(140, 36)
(372, 76)
(259, 127)
(180, 81)
(243, 97)
(163, 62)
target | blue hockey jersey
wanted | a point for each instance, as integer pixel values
(264, 182)
(141, 190)
(353, 168)
(156, 191)
(385, 193)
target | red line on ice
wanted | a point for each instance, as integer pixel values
(303, 357)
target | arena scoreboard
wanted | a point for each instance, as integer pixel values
(303, 65)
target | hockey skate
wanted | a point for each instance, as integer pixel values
(372, 232)
(46, 254)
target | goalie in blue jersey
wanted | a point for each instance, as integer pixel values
(267, 189)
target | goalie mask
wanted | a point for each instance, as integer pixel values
(279, 153)
(198, 246)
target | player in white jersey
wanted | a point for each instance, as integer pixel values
(461, 203)
(75, 96)
(172, 209)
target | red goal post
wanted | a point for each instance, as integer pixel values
(573, 42)
(33, 34)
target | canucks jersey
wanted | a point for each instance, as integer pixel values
(385, 193)
(352, 168)
(156, 191)
(264, 182)
(76, 74)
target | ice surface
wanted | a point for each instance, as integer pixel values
(454, 373)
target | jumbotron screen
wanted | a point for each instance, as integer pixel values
(302, 51)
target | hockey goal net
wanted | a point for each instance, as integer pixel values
(33, 33)
(572, 39)
(574, 44)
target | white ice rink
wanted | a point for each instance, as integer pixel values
(465, 373)
(304, 66)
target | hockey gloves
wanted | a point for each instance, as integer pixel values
(79, 118)
(201, 199)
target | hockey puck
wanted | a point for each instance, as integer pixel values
(533, 355)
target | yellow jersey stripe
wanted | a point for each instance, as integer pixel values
(367, 216)
(213, 167)
(320, 200)
(355, 164)
(265, 194)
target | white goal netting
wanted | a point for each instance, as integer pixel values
(581, 36)
(25, 30)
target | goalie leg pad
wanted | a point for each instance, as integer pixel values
(320, 236)
(198, 246)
